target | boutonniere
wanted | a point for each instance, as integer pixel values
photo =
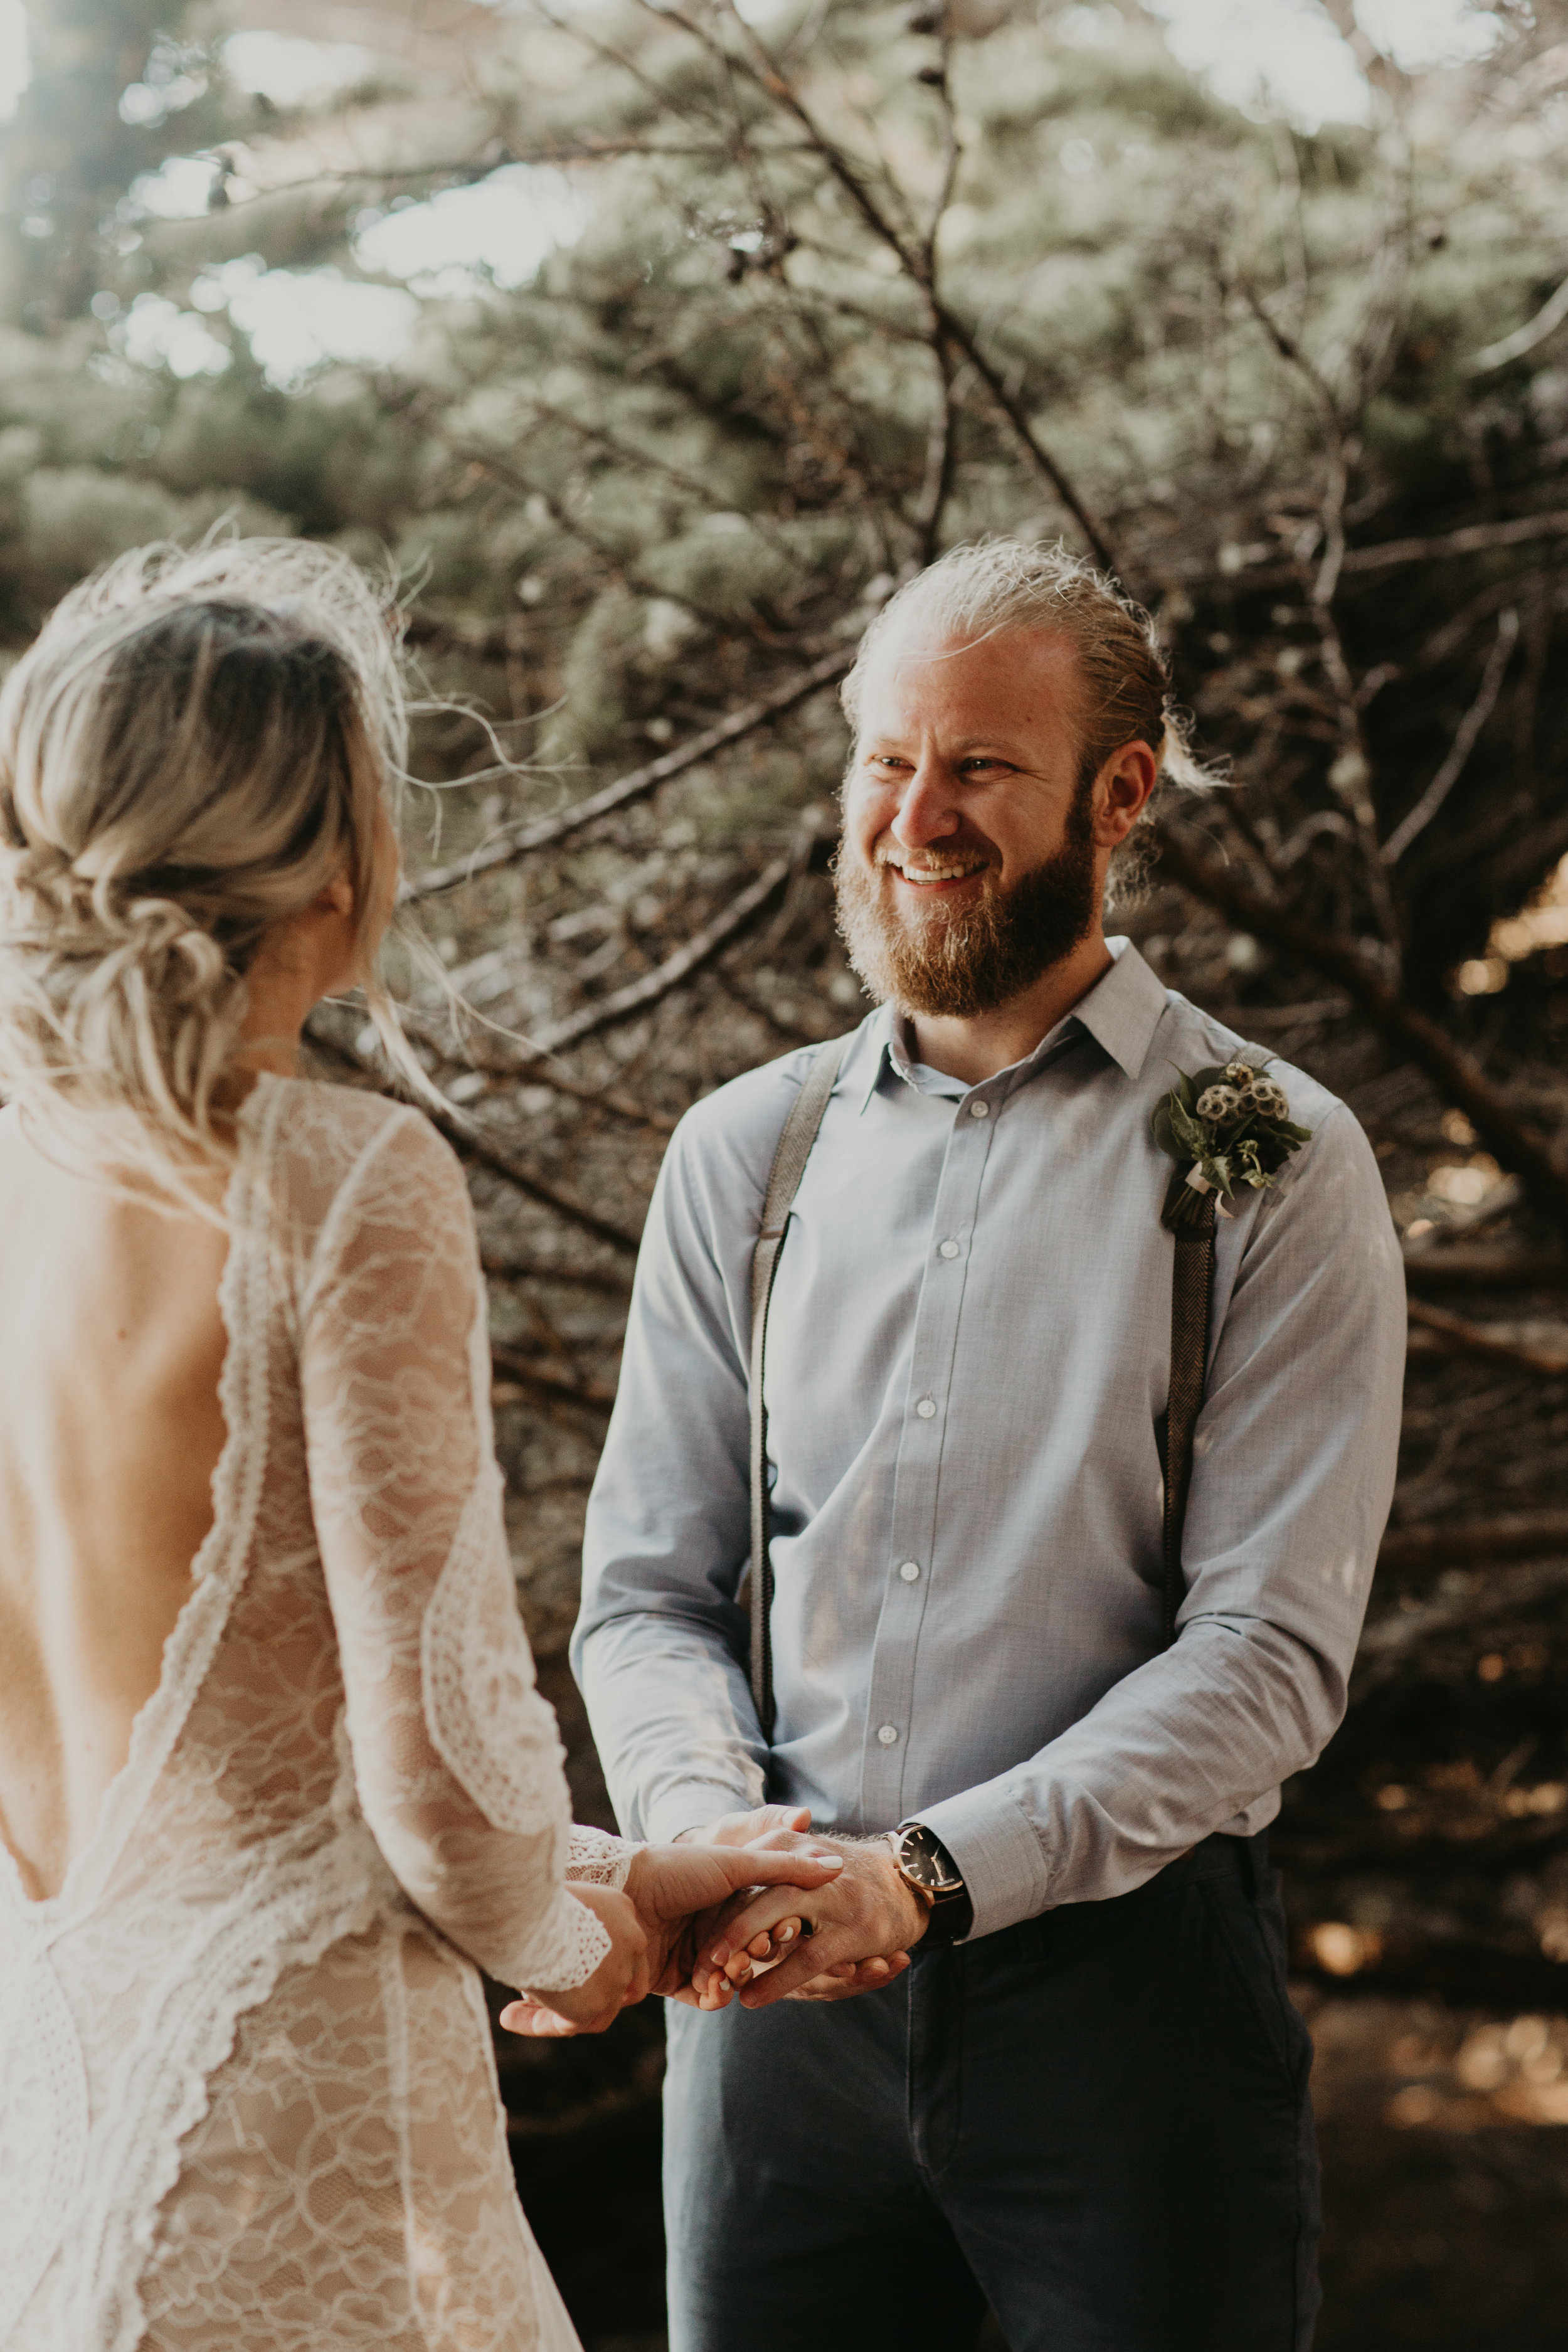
(1222, 1127)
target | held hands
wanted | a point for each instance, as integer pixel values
(851, 1934)
(675, 1896)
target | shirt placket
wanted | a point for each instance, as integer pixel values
(911, 1561)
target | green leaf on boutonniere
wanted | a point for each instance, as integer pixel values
(1225, 1125)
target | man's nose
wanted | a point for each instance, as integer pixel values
(926, 812)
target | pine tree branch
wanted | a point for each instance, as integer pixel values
(762, 69)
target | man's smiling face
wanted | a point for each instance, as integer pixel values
(969, 865)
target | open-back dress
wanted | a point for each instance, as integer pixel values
(247, 2098)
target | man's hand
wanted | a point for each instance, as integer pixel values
(774, 1828)
(857, 1932)
(681, 1892)
(758, 1826)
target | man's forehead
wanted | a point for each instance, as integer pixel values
(1021, 674)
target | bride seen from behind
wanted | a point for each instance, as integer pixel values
(274, 1776)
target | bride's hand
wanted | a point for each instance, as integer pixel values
(621, 1977)
(679, 1890)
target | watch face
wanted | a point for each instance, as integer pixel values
(926, 1862)
(918, 1864)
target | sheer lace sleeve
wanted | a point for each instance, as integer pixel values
(595, 1858)
(456, 1759)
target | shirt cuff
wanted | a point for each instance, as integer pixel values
(691, 1805)
(997, 1853)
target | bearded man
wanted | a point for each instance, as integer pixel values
(1086, 2100)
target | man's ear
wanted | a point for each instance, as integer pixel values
(1122, 792)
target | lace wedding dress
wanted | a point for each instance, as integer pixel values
(247, 2102)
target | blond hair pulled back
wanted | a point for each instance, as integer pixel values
(195, 745)
(989, 586)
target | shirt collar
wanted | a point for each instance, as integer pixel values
(1120, 1013)
(1124, 1008)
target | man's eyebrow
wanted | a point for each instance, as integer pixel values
(888, 739)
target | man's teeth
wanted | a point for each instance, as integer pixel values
(951, 871)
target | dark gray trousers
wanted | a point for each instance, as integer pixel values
(1097, 2119)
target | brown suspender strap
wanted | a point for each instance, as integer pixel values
(1192, 1292)
(800, 1129)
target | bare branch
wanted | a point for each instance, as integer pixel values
(1385, 1645)
(1474, 1543)
(1515, 1143)
(1477, 1340)
(593, 1396)
(470, 1144)
(488, 1063)
(703, 492)
(544, 1269)
(941, 452)
(625, 568)
(765, 72)
(1474, 539)
(1419, 818)
(683, 965)
(1038, 454)
(1547, 319)
(1351, 775)
(642, 782)
(467, 172)
(1487, 1269)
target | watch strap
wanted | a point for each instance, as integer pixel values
(951, 1911)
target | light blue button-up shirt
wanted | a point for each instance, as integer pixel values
(968, 1356)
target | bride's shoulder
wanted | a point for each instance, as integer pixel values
(329, 1140)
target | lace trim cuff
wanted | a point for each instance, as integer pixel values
(563, 1950)
(597, 1859)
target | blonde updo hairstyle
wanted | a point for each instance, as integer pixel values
(195, 747)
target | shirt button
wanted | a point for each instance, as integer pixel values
(888, 1734)
(911, 1571)
(948, 1249)
(979, 1110)
(927, 1408)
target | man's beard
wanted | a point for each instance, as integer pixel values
(979, 957)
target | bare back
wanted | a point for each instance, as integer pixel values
(111, 1347)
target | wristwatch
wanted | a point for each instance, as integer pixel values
(925, 1866)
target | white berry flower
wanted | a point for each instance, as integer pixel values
(1220, 1104)
(1263, 1099)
